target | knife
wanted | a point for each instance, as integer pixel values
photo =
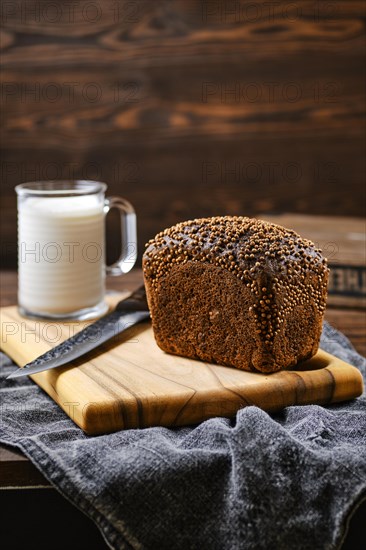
(127, 313)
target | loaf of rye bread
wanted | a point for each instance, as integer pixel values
(236, 291)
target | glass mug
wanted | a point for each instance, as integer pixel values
(61, 248)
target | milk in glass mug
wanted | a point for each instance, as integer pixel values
(61, 248)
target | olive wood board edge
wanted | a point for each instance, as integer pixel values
(130, 383)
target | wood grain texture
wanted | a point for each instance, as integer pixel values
(130, 383)
(17, 471)
(185, 107)
(342, 240)
(351, 323)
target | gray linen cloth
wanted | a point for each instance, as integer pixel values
(283, 481)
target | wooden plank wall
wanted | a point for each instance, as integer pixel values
(186, 107)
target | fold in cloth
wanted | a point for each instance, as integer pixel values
(286, 481)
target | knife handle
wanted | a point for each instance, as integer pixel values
(136, 302)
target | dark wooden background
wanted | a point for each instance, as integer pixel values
(186, 107)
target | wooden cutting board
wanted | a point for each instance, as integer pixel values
(130, 383)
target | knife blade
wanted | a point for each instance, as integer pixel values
(127, 313)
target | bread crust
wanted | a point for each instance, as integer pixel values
(232, 303)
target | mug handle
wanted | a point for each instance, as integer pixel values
(128, 256)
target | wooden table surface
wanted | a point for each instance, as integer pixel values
(17, 471)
